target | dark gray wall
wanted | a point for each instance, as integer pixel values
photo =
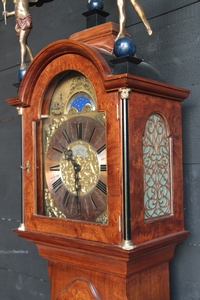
(174, 50)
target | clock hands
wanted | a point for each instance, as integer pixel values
(77, 168)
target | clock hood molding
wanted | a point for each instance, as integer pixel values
(47, 59)
(57, 56)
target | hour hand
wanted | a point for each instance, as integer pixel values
(61, 144)
(77, 168)
(69, 155)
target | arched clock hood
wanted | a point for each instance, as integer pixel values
(130, 138)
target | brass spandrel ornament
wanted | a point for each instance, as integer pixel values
(50, 208)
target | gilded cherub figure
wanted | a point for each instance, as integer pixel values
(122, 16)
(23, 28)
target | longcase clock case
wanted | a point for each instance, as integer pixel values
(103, 244)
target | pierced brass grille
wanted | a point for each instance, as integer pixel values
(157, 168)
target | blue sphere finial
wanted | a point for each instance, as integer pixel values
(124, 46)
(21, 73)
(95, 4)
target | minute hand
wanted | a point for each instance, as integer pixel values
(68, 153)
(77, 168)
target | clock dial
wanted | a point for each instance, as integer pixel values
(75, 168)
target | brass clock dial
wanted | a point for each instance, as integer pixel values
(75, 167)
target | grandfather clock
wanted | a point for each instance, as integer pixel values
(102, 178)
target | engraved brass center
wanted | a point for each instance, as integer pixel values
(86, 157)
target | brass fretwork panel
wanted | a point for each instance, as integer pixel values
(157, 168)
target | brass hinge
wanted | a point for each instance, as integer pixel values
(26, 167)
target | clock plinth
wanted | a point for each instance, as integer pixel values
(103, 195)
(106, 271)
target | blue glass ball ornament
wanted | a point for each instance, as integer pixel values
(95, 4)
(21, 73)
(124, 46)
